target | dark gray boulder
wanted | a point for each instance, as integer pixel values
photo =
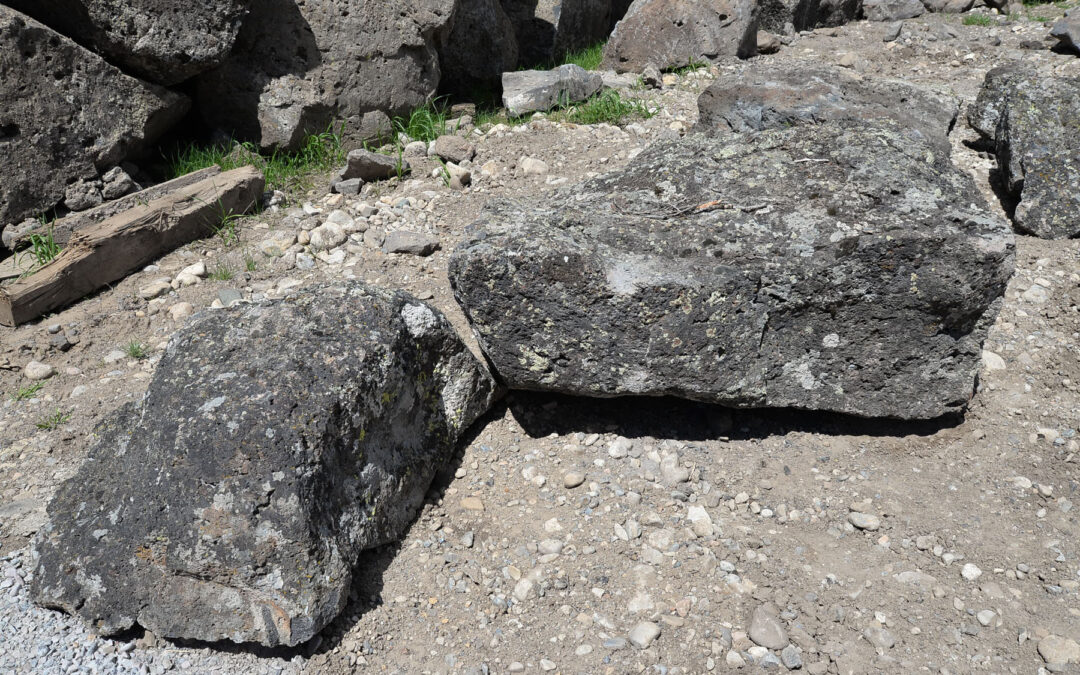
(807, 14)
(674, 33)
(843, 266)
(67, 116)
(1031, 121)
(164, 41)
(1067, 30)
(548, 29)
(299, 66)
(275, 442)
(763, 96)
(480, 48)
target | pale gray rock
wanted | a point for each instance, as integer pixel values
(706, 29)
(67, 116)
(528, 91)
(892, 10)
(370, 166)
(766, 630)
(686, 275)
(275, 442)
(413, 243)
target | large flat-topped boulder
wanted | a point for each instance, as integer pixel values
(275, 442)
(66, 116)
(763, 96)
(839, 266)
(164, 41)
(1031, 120)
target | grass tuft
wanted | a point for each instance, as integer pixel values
(25, 393)
(43, 249)
(425, 123)
(221, 273)
(53, 421)
(694, 65)
(978, 20)
(607, 106)
(588, 58)
(135, 349)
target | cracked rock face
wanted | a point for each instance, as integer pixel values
(1032, 120)
(276, 442)
(840, 266)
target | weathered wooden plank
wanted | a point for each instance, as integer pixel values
(109, 250)
(17, 236)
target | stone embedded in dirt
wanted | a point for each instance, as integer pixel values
(296, 67)
(276, 441)
(1067, 30)
(413, 243)
(766, 630)
(892, 10)
(1060, 651)
(643, 634)
(1031, 120)
(67, 116)
(526, 91)
(707, 29)
(481, 47)
(842, 266)
(453, 148)
(159, 40)
(949, 6)
(864, 521)
(764, 96)
(767, 43)
(369, 166)
(36, 370)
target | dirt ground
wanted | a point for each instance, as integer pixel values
(688, 516)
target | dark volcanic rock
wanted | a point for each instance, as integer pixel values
(807, 14)
(298, 66)
(66, 116)
(161, 40)
(1067, 30)
(275, 442)
(480, 48)
(674, 33)
(762, 96)
(1032, 122)
(840, 266)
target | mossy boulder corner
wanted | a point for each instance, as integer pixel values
(844, 266)
(276, 442)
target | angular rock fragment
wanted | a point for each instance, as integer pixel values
(1032, 120)
(760, 96)
(298, 66)
(705, 29)
(842, 266)
(892, 10)
(67, 115)
(276, 441)
(160, 40)
(528, 91)
(1067, 30)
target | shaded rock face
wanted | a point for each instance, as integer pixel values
(1032, 120)
(762, 96)
(1067, 30)
(480, 48)
(807, 14)
(842, 267)
(67, 116)
(548, 29)
(275, 442)
(298, 66)
(526, 91)
(674, 33)
(160, 40)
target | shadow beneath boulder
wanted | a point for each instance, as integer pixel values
(671, 418)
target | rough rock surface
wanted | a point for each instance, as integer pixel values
(1067, 30)
(675, 33)
(763, 96)
(892, 10)
(841, 266)
(160, 40)
(1032, 122)
(298, 66)
(807, 14)
(276, 442)
(582, 23)
(481, 47)
(526, 91)
(67, 115)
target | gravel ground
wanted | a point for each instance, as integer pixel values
(629, 536)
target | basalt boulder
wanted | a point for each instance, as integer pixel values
(480, 48)
(843, 266)
(159, 40)
(275, 442)
(763, 96)
(1031, 121)
(298, 67)
(67, 117)
(675, 33)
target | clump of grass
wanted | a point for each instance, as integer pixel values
(53, 421)
(135, 349)
(284, 170)
(249, 262)
(588, 58)
(221, 273)
(226, 229)
(978, 20)
(25, 393)
(694, 65)
(425, 123)
(43, 248)
(607, 106)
